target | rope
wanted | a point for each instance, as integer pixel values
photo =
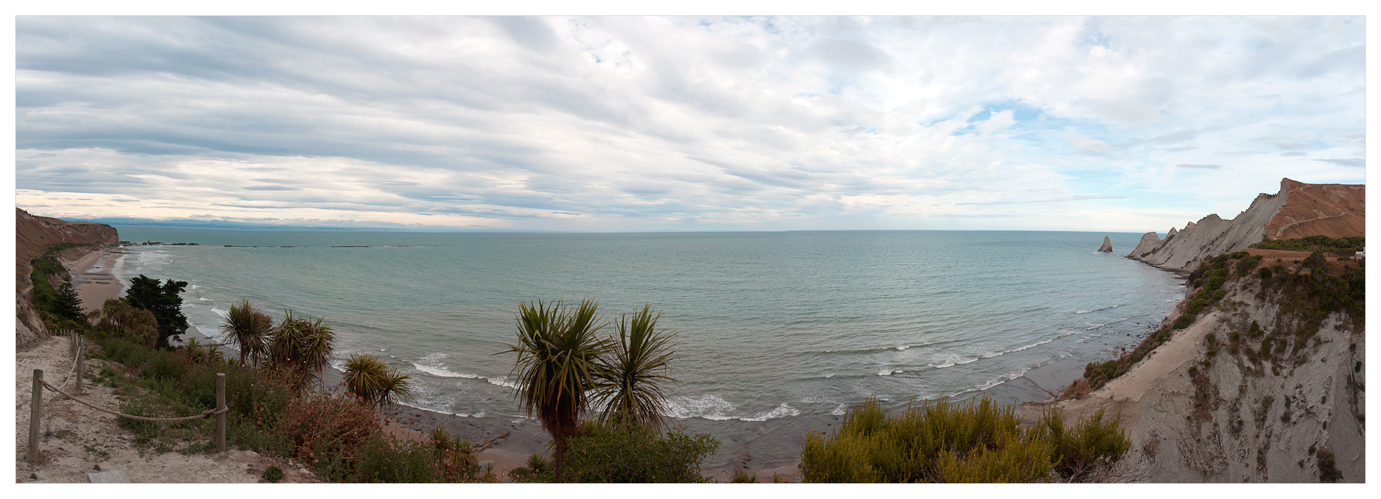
(68, 379)
(208, 412)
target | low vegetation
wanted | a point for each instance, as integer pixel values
(276, 410)
(976, 441)
(603, 453)
(1345, 245)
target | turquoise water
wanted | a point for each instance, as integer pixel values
(770, 325)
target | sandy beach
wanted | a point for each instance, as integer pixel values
(94, 278)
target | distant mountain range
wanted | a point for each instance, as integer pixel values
(230, 224)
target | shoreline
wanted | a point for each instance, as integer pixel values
(761, 447)
(94, 279)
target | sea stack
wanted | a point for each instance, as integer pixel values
(1107, 245)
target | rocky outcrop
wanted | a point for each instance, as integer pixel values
(1298, 210)
(1107, 245)
(33, 236)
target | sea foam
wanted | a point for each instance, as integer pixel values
(707, 406)
(781, 411)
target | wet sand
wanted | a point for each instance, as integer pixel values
(93, 277)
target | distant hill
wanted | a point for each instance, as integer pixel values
(1298, 210)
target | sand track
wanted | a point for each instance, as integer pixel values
(76, 439)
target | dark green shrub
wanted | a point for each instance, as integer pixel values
(604, 454)
(1184, 321)
(273, 474)
(1246, 265)
(1265, 273)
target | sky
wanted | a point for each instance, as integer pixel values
(679, 123)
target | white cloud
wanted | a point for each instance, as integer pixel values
(633, 123)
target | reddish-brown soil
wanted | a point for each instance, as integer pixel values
(1333, 210)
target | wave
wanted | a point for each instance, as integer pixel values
(1098, 309)
(781, 411)
(442, 372)
(500, 381)
(841, 410)
(889, 373)
(707, 406)
(1093, 326)
(431, 364)
(955, 360)
(479, 414)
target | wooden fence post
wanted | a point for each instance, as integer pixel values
(34, 415)
(220, 407)
(81, 367)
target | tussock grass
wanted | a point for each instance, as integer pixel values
(976, 441)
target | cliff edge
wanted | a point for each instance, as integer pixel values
(35, 235)
(1266, 385)
(1297, 210)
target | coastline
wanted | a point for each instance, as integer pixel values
(93, 276)
(759, 447)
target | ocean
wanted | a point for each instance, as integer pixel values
(776, 332)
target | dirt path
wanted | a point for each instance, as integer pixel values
(76, 440)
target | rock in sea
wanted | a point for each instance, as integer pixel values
(1107, 245)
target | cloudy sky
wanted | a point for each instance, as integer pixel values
(683, 123)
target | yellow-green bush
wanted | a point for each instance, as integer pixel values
(976, 441)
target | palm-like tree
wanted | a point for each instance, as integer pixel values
(397, 387)
(375, 382)
(248, 329)
(557, 351)
(302, 344)
(630, 377)
(365, 376)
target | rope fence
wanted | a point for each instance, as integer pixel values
(204, 414)
(36, 403)
(78, 351)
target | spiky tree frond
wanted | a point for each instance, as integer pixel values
(630, 379)
(557, 351)
(365, 376)
(248, 330)
(302, 344)
(397, 387)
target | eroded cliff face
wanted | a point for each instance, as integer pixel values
(33, 236)
(1298, 210)
(1213, 406)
